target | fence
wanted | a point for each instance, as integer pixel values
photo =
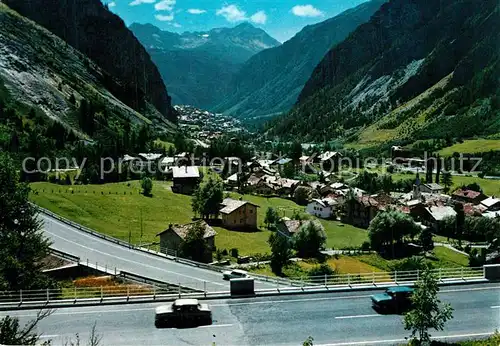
(150, 291)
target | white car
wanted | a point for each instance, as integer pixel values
(234, 274)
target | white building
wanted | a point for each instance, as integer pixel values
(322, 208)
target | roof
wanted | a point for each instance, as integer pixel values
(283, 161)
(441, 212)
(304, 158)
(288, 183)
(253, 180)
(337, 186)
(168, 161)
(490, 201)
(492, 214)
(233, 177)
(230, 205)
(327, 155)
(434, 186)
(186, 172)
(150, 156)
(400, 289)
(183, 302)
(183, 230)
(127, 158)
(293, 226)
(325, 202)
(470, 194)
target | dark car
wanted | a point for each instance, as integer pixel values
(183, 312)
(394, 299)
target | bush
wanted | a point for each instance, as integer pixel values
(321, 270)
(224, 252)
(234, 253)
(366, 246)
(147, 186)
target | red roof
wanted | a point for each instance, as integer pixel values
(471, 194)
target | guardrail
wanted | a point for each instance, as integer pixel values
(64, 255)
(161, 291)
(340, 279)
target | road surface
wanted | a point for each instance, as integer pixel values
(330, 318)
(108, 254)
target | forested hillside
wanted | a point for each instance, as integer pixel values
(416, 70)
(271, 81)
(88, 26)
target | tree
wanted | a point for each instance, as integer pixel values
(308, 341)
(208, 197)
(195, 246)
(310, 239)
(11, 332)
(296, 152)
(23, 245)
(447, 181)
(280, 252)
(390, 228)
(271, 216)
(147, 186)
(425, 240)
(301, 195)
(427, 312)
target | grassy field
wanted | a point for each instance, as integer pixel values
(115, 209)
(472, 146)
(341, 265)
(490, 187)
(445, 258)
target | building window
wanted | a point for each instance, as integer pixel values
(251, 211)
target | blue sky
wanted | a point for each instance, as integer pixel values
(280, 18)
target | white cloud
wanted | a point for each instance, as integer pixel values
(196, 11)
(232, 13)
(306, 11)
(176, 25)
(112, 4)
(139, 2)
(259, 17)
(167, 18)
(165, 5)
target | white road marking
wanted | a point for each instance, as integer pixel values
(356, 316)
(290, 300)
(48, 336)
(470, 289)
(391, 341)
(495, 307)
(217, 325)
(134, 262)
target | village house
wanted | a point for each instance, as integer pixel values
(174, 235)
(263, 187)
(491, 204)
(362, 210)
(288, 228)
(322, 208)
(238, 214)
(436, 214)
(468, 196)
(329, 160)
(432, 188)
(167, 163)
(286, 187)
(232, 181)
(185, 179)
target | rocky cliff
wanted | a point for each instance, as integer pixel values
(91, 28)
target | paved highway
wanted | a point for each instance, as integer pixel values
(105, 253)
(340, 319)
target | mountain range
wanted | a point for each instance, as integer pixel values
(415, 70)
(89, 27)
(270, 81)
(197, 66)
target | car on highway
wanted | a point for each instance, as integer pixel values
(394, 299)
(183, 312)
(234, 274)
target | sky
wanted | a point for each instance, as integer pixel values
(282, 19)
